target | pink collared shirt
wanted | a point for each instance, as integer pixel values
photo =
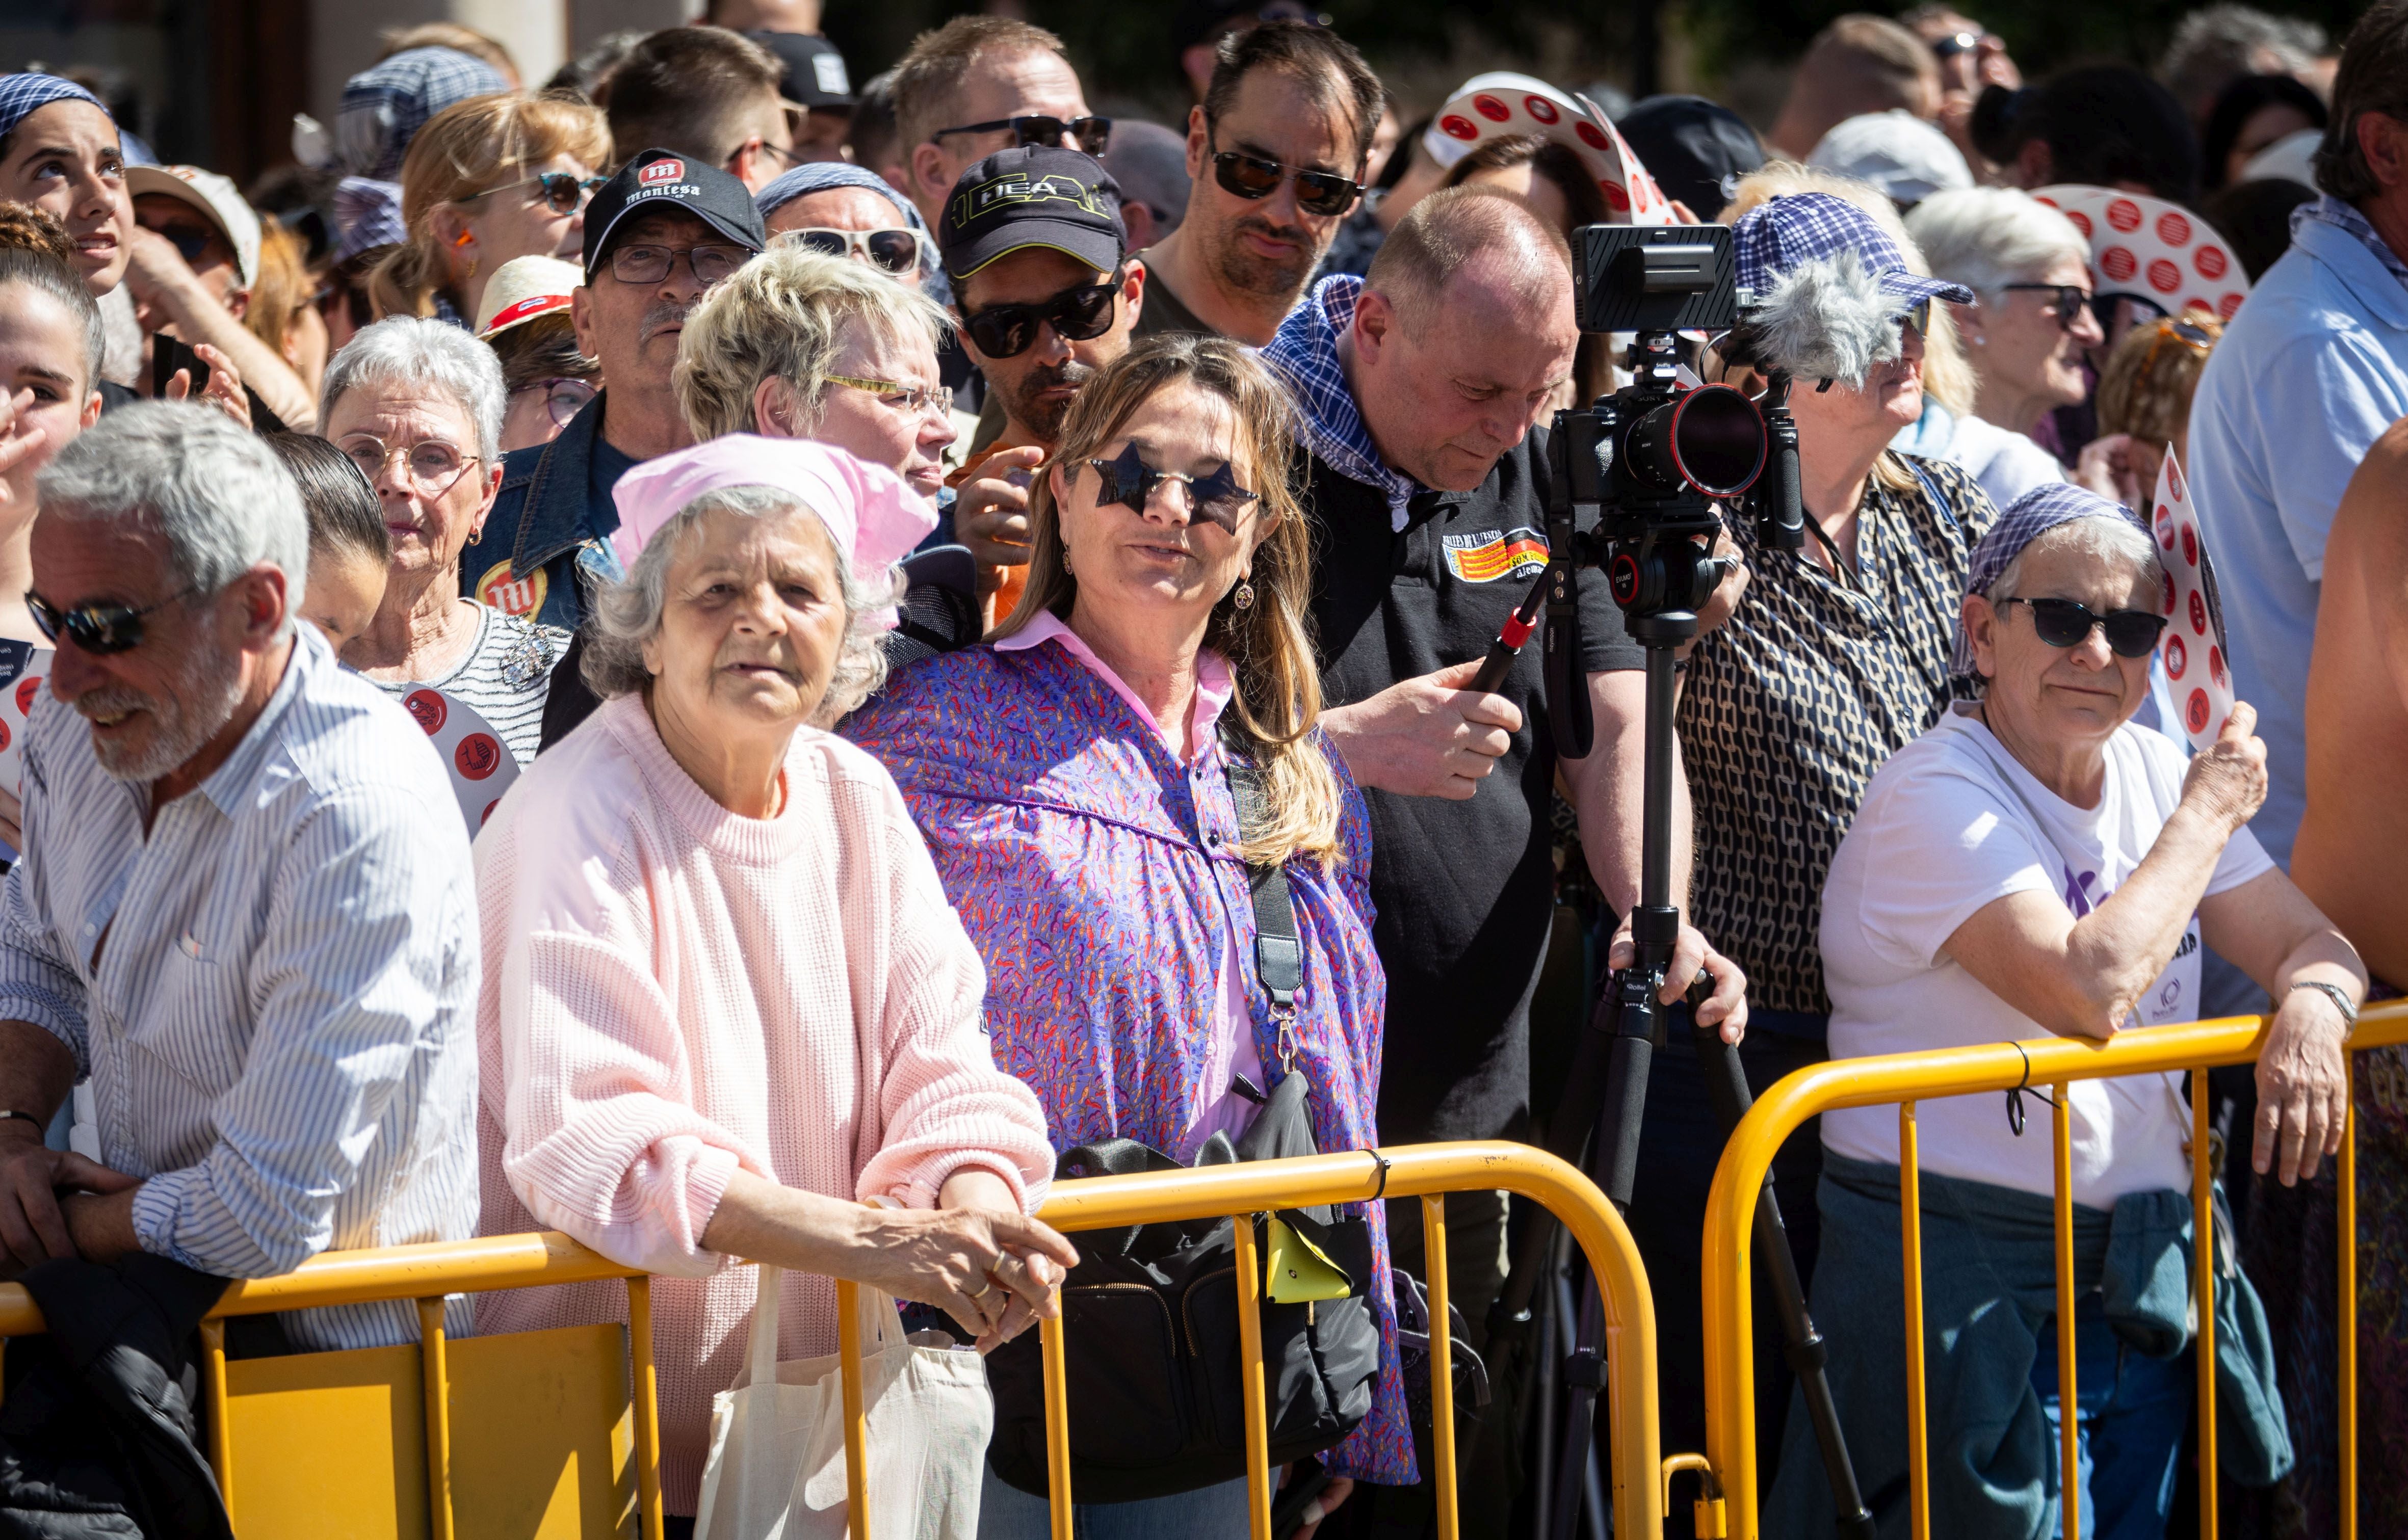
(1232, 1053)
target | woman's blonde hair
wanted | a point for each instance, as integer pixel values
(1277, 702)
(2151, 374)
(785, 314)
(1947, 376)
(281, 289)
(473, 147)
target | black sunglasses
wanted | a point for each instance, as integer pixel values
(1322, 192)
(99, 629)
(1128, 480)
(2071, 299)
(562, 192)
(2062, 623)
(1077, 315)
(1094, 135)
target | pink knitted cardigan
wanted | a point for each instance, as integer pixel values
(672, 992)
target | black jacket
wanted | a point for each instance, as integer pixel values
(99, 1438)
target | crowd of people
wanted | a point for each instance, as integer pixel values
(742, 669)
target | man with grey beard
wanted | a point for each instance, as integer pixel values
(657, 234)
(246, 912)
(1276, 153)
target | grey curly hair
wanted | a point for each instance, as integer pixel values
(627, 614)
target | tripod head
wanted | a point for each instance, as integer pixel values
(1639, 475)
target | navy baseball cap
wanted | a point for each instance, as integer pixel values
(665, 179)
(1777, 237)
(1032, 196)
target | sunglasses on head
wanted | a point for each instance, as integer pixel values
(99, 629)
(1128, 480)
(1251, 177)
(2062, 623)
(2069, 299)
(1078, 314)
(895, 252)
(1093, 135)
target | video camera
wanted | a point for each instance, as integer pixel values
(1654, 458)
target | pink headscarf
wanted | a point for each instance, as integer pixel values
(871, 513)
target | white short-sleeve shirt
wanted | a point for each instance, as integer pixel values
(1951, 822)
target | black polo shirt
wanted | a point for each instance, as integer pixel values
(1465, 890)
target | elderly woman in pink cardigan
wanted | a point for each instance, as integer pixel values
(725, 1004)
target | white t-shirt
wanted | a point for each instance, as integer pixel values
(1949, 824)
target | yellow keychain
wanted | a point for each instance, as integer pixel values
(1299, 1270)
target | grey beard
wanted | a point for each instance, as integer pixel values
(1279, 282)
(202, 699)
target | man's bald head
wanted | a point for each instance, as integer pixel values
(1463, 334)
(1499, 251)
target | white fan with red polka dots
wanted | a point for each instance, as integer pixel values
(480, 764)
(1494, 111)
(2193, 647)
(2151, 250)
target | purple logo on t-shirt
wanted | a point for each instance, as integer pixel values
(2077, 892)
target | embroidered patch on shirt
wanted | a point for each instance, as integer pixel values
(1490, 554)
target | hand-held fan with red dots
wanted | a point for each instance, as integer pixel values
(2193, 648)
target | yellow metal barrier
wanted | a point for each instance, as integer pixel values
(427, 1272)
(1907, 1078)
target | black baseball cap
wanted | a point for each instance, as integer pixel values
(815, 72)
(1032, 196)
(665, 179)
(1696, 150)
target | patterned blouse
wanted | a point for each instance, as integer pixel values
(1094, 872)
(1796, 700)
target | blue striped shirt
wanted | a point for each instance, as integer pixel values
(279, 1030)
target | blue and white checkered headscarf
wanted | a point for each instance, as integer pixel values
(2024, 520)
(818, 175)
(1304, 354)
(22, 94)
(385, 105)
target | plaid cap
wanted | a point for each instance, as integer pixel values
(2024, 520)
(1776, 238)
(386, 104)
(368, 214)
(20, 94)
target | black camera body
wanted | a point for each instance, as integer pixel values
(1658, 460)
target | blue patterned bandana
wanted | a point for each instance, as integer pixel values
(2024, 520)
(2328, 209)
(24, 94)
(1304, 354)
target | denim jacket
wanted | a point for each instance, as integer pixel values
(546, 541)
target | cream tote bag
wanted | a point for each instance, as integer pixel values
(776, 1469)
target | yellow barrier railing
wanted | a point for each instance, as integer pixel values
(427, 1272)
(2049, 1064)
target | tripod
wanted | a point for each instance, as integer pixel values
(1660, 573)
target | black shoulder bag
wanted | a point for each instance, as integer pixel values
(1150, 1312)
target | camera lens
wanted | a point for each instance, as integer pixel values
(1711, 439)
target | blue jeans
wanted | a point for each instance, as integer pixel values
(1215, 1513)
(2135, 1410)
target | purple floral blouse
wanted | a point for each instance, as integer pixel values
(1094, 873)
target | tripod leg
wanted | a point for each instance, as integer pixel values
(1801, 1345)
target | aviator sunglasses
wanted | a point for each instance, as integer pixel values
(1080, 314)
(2062, 623)
(895, 250)
(562, 192)
(99, 629)
(1128, 480)
(1254, 177)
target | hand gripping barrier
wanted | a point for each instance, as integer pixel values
(506, 1481)
(2049, 1064)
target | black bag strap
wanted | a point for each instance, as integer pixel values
(1279, 955)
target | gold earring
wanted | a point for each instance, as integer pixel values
(1066, 560)
(1244, 595)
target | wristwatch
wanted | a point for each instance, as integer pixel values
(2334, 993)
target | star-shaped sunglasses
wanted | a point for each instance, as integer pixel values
(1215, 499)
